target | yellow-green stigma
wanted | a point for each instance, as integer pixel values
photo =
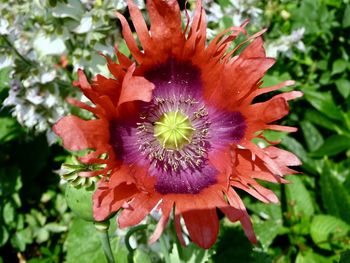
(173, 130)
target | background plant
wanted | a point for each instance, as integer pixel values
(42, 43)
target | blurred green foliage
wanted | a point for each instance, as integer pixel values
(312, 224)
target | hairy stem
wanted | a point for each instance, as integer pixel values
(102, 228)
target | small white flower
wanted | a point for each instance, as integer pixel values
(47, 77)
(51, 100)
(33, 96)
(285, 43)
(42, 125)
(48, 45)
(51, 137)
(27, 115)
(5, 61)
(215, 12)
(4, 27)
(85, 25)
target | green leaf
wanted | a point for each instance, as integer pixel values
(318, 20)
(274, 79)
(21, 238)
(61, 204)
(55, 228)
(343, 86)
(309, 256)
(299, 199)
(321, 120)
(9, 212)
(260, 257)
(72, 10)
(323, 101)
(335, 197)
(10, 180)
(83, 244)
(4, 235)
(312, 136)
(325, 78)
(9, 129)
(5, 77)
(266, 231)
(332, 146)
(329, 232)
(294, 146)
(189, 254)
(41, 235)
(141, 257)
(274, 135)
(346, 17)
(232, 237)
(333, 3)
(267, 222)
(345, 257)
(339, 66)
(40, 218)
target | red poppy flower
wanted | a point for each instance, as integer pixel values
(177, 125)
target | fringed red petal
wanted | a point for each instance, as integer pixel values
(282, 156)
(84, 106)
(202, 226)
(165, 30)
(140, 207)
(108, 200)
(124, 61)
(78, 134)
(108, 87)
(229, 81)
(166, 208)
(116, 69)
(140, 27)
(255, 49)
(129, 39)
(135, 88)
(236, 202)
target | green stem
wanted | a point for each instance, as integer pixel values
(164, 249)
(8, 42)
(177, 242)
(127, 241)
(180, 250)
(129, 234)
(102, 228)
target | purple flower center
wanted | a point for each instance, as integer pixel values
(177, 131)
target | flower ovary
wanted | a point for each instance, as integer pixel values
(173, 130)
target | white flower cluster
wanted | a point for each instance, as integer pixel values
(36, 108)
(285, 43)
(43, 45)
(234, 12)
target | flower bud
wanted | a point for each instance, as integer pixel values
(79, 200)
